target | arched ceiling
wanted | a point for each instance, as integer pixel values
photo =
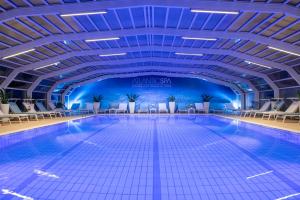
(251, 44)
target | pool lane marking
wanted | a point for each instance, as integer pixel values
(91, 143)
(213, 143)
(261, 174)
(156, 165)
(288, 196)
(12, 193)
(43, 173)
(286, 180)
(34, 176)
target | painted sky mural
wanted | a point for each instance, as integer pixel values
(152, 90)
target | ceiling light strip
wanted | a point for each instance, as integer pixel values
(17, 54)
(83, 13)
(285, 51)
(47, 66)
(102, 39)
(114, 54)
(215, 11)
(188, 54)
(196, 38)
(253, 63)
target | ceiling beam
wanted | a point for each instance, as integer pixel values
(111, 4)
(166, 60)
(240, 55)
(153, 31)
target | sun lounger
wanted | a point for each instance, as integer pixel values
(291, 111)
(62, 110)
(30, 108)
(264, 108)
(285, 116)
(162, 107)
(14, 108)
(276, 106)
(182, 108)
(199, 107)
(42, 108)
(122, 108)
(229, 108)
(144, 108)
(8, 117)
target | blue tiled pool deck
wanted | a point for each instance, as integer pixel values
(150, 157)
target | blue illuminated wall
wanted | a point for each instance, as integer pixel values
(152, 90)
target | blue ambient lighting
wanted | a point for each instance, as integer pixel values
(153, 90)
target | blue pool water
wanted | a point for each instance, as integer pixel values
(150, 157)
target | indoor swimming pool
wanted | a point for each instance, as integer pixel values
(150, 157)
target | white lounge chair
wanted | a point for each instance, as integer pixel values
(14, 108)
(182, 108)
(275, 108)
(122, 108)
(42, 108)
(64, 112)
(30, 108)
(8, 117)
(284, 116)
(229, 108)
(162, 107)
(199, 107)
(152, 108)
(53, 108)
(144, 108)
(292, 109)
(90, 107)
(264, 108)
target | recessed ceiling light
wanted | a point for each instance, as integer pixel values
(198, 38)
(114, 54)
(17, 54)
(215, 12)
(83, 13)
(47, 66)
(189, 54)
(253, 63)
(102, 39)
(285, 51)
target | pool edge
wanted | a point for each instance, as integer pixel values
(44, 125)
(260, 124)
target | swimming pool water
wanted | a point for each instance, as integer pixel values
(150, 157)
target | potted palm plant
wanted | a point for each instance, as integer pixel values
(206, 101)
(171, 104)
(4, 105)
(132, 98)
(97, 100)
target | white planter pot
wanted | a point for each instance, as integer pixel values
(206, 107)
(131, 107)
(172, 107)
(96, 107)
(4, 108)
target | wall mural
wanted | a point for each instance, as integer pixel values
(152, 90)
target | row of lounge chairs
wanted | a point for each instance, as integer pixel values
(272, 110)
(32, 114)
(152, 108)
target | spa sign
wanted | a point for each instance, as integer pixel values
(152, 82)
